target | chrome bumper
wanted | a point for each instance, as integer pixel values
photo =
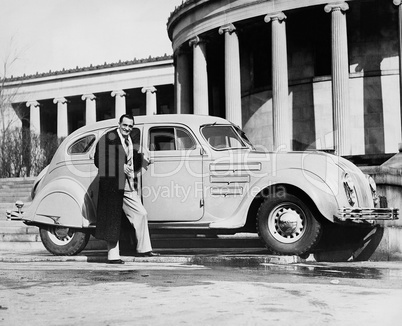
(15, 215)
(367, 214)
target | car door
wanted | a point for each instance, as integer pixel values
(172, 187)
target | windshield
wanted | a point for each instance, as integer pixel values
(244, 137)
(222, 137)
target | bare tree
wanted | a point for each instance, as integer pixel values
(10, 136)
(8, 116)
(22, 153)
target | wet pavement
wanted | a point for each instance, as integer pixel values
(155, 292)
(220, 256)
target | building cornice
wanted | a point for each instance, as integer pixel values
(93, 69)
(184, 7)
(196, 17)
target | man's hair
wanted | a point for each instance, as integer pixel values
(128, 116)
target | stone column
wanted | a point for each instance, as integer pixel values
(62, 118)
(150, 92)
(340, 77)
(398, 3)
(232, 75)
(282, 118)
(200, 77)
(90, 108)
(34, 122)
(120, 103)
(182, 82)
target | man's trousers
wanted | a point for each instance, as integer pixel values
(137, 215)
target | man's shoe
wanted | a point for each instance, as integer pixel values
(147, 254)
(116, 261)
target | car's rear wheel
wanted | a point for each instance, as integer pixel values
(63, 241)
(286, 225)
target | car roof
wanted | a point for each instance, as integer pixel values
(192, 120)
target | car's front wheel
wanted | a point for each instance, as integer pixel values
(286, 225)
(63, 241)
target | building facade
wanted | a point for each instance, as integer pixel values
(295, 74)
(62, 101)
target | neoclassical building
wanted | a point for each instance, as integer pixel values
(62, 101)
(295, 74)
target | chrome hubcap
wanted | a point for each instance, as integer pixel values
(60, 236)
(286, 223)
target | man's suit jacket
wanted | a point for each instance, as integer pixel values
(110, 158)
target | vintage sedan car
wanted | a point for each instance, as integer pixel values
(205, 176)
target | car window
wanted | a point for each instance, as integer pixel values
(184, 140)
(222, 137)
(244, 137)
(82, 145)
(170, 139)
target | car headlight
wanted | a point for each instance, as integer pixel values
(349, 189)
(373, 188)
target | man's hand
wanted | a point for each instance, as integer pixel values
(146, 161)
(128, 170)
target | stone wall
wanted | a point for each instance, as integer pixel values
(388, 177)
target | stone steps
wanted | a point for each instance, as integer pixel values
(13, 189)
(21, 192)
(12, 198)
(22, 246)
(17, 187)
(15, 235)
(17, 227)
(16, 182)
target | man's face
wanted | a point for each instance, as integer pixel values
(126, 126)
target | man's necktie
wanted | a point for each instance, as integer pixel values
(129, 152)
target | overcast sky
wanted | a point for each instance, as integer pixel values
(54, 34)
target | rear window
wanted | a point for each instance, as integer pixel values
(82, 145)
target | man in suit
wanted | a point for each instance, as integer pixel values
(117, 160)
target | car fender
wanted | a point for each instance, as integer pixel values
(308, 182)
(38, 180)
(63, 202)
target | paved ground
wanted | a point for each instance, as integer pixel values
(209, 256)
(162, 293)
